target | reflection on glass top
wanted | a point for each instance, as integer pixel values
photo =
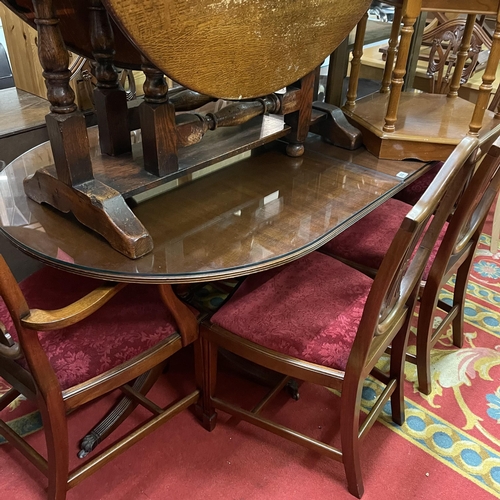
(259, 212)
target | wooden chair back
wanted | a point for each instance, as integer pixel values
(396, 284)
(474, 205)
(446, 41)
(454, 256)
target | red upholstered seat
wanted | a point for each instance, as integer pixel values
(131, 322)
(303, 309)
(77, 340)
(322, 321)
(367, 241)
(412, 193)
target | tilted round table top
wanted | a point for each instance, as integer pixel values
(236, 49)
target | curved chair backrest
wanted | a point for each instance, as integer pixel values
(397, 281)
(470, 212)
(446, 41)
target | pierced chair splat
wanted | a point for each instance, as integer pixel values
(321, 321)
(111, 336)
(364, 245)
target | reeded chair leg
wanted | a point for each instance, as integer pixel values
(206, 356)
(349, 430)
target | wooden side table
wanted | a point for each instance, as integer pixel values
(400, 125)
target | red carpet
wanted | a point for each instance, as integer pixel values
(449, 448)
(238, 461)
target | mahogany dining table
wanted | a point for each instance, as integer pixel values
(255, 211)
(259, 212)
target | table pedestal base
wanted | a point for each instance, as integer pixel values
(95, 205)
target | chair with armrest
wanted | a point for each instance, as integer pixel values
(364, 246)
(321, 321)
(111, 336)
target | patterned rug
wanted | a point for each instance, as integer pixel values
(459, 422)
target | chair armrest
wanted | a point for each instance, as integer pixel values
(42, 320)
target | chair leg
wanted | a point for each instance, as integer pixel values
(206, 375)
(349, 432)
(459, 294)
(397, 372)
(425, 331)
(120, 412)
(495, 231)
(56, 435)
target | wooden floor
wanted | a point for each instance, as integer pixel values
(22, 126)
(21, 111)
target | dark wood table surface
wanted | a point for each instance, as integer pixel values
(262, 211)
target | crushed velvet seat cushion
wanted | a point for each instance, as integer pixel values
(309, 309)
(412, 193)
(367, 241)
(131, 322)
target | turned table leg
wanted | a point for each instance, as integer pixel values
(357, 53)
(300, 120)
(65, 125)
(391, 51)
(159, 135)
(109, 97)
(73, 188)
(409, 18)
(486, 86)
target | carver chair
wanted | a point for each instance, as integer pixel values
(364, 246)
(111, 336)
(319, 320)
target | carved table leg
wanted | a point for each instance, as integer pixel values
(159, 136)
(110, 98)
(300, 120)
(74, 188)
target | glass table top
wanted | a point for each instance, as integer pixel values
(260, 212)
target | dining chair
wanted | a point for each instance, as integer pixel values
(77, 340)
(322, 321)
(364, 245)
